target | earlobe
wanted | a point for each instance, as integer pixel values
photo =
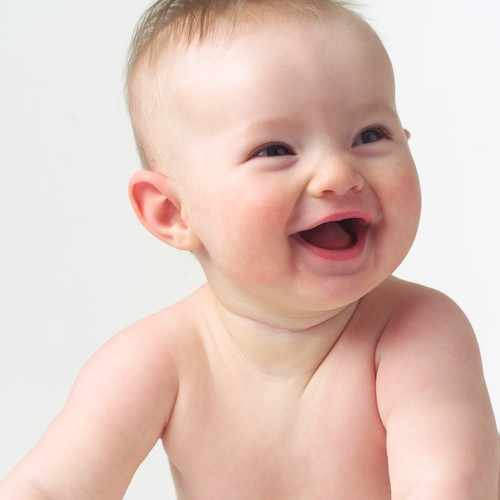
(408, 134)
(157, 206)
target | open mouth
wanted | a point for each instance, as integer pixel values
(335, 235)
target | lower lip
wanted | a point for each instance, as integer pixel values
(347, 254)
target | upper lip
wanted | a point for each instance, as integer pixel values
(362, 217)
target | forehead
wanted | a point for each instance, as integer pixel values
(343, 50)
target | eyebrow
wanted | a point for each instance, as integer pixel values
(286, 122)
(375, 108)
(271, 122)
(258, 128)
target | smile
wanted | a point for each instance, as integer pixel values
(343, 238)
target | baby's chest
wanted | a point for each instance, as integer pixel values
(234, 441)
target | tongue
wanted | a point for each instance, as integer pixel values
(329, 236)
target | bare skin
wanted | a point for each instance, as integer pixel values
(319, 432)
(241, 423)
(288, 424)
(302, 370)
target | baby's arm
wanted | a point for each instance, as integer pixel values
(441, 434)
(117, 411)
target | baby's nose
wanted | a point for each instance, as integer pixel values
(335, 175)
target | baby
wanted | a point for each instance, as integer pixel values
(302, 370)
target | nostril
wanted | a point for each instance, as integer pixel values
(338, 178)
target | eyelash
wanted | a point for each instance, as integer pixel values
(382, 132)
(260, 153)
(287, 151)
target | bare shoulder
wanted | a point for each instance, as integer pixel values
(429, 365)
(118, 409)
(398, 295)
(431, 394)
(426, 332)
(416, 314)
(143, 360)
(427, 353)
(160, 336)
(149, 347)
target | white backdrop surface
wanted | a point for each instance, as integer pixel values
(76, 266)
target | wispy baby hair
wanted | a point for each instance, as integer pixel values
(168, 25)
(187, 20)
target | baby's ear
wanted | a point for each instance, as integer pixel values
(408, 134)
(157, 206)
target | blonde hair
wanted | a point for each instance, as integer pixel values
(171, 24)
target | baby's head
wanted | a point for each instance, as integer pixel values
(169, 26)
(273, 150)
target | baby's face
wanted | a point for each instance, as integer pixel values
(295, 171)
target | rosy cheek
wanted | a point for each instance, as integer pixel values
(403, 190)
(263, 205)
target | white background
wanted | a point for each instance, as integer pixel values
(76, 266)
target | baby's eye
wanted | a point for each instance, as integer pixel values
(370, 135)
(274, 150)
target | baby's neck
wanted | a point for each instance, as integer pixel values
(286, 350)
